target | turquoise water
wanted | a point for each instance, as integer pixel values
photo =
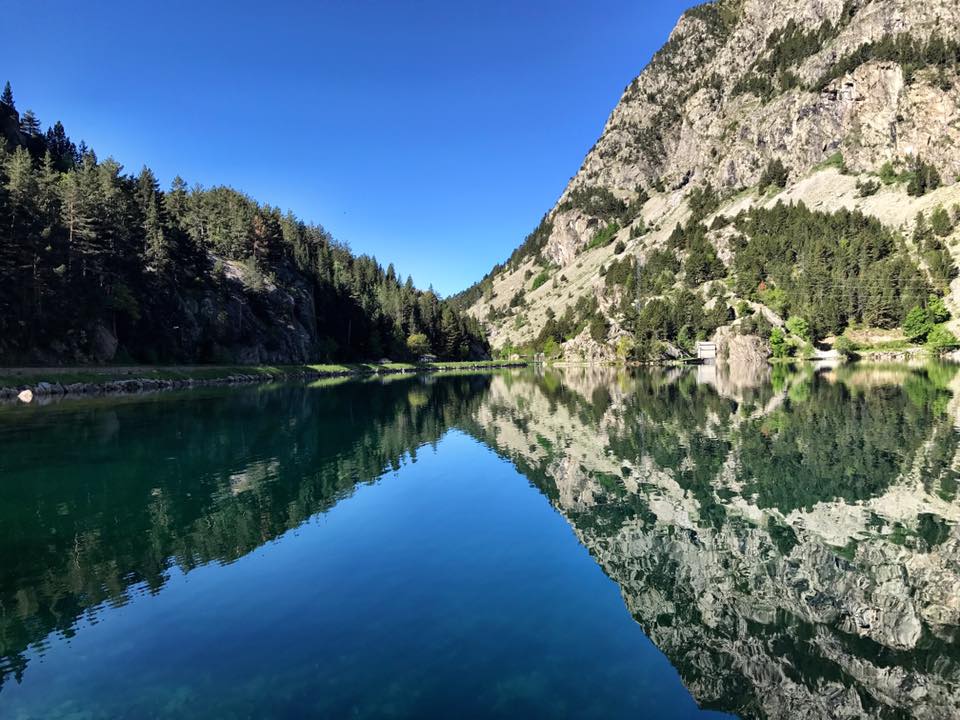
(589, 544)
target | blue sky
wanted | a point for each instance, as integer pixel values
(431, 134)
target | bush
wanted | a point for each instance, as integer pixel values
(775, 299)
(845, 346)
(940, 339)
(941, 222)
(599, 328)
(551, 348)
(888, 175)
(924, 178)
(619, 247)
(540, 279)
(937, 310)
(778, 343)
(917, 324)
(799, 327)
(775, 174)
(835, 161)
(418, 344)
(604, 236)
(867, 188)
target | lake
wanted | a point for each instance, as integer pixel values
(587, 543)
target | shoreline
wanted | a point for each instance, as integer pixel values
(91, 381)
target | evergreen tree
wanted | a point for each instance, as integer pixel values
(7, 97)
(63, 151)
(29, 124)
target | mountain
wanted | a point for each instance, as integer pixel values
(100, 266)
(772, 160)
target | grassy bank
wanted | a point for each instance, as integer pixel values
(102, 375)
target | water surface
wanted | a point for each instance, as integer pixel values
(581, 544)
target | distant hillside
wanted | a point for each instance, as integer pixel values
(845, 112)
(100, 266)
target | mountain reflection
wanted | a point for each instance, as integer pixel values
(791, 546)
(789, 541)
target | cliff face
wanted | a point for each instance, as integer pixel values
(233, 322)
(740, 83)
(688, 116)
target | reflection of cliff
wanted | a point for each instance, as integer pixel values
(211, 480)
(794, 547)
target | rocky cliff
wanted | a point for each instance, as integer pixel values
(831, 94)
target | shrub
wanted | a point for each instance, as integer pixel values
(799, 327)
(917, 324)
(775, 299)
(604, 236)
(540, 279)
(599, 328)
(845, 346)
(867, 188)
(551, 348)
(418, 344)
(924, 178)
(775, 174)
(941, 339)
(835, 161)
(941, 222)
(619, 247)
(888, 175)
(937, 310)
(778, 343)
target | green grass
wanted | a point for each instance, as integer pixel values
(834, 161)
(888, 345)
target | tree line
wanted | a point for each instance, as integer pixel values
(83, 244)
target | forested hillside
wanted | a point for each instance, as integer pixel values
(100, 265)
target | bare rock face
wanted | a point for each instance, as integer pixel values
(103, 343)
(240, 324)
(584, 348)
(748, 353)
(686, 117)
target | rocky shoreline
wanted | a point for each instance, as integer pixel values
(35, 391)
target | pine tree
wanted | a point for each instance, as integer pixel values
(29, 124)
(176, 202)
(7, 97)
(78, 215)
(156, 248)
(64, 152)
(19, 249)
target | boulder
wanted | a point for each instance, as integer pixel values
(103, 343)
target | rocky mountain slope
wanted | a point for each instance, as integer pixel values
(836, 104)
